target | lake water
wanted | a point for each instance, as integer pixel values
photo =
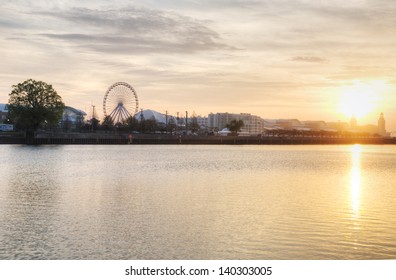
(197, 202)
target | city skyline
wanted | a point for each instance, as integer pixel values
(274, 59)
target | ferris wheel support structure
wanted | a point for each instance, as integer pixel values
(120, 103)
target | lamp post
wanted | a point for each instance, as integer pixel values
(177, 123)
(93, 117)
(141, 120)
(166, 122)
(186, 122)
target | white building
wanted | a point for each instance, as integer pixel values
(157, 116)
(202, 121)
(253, 125)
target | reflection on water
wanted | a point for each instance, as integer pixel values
(197, 202)
(355, 180)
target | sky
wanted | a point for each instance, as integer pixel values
(310, 60)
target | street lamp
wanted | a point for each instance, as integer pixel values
(186, 122)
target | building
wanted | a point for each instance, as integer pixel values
(72, 118)
(337, 126)
(202, 121)
(157, 116)
(289, 124)
(381, 125)
(269, 125)
(368, 128)
(218, 121)
(315, 125)
(3, 112)
(253, 125)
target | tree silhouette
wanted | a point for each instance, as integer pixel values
(132, 124)
(34, 103)
(235, 126)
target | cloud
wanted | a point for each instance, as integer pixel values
(217, 53)
(134, 30)
(311, 59)
(11, 24)
(364, 72)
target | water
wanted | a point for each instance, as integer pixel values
(197, 202)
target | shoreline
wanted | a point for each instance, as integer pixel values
(45, 138)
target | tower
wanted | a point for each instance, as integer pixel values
(94, 116)
(381, 124)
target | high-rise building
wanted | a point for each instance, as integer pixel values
(253, 125)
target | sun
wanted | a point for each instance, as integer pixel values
(361, 98)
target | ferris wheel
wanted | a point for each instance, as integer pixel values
(120, 103)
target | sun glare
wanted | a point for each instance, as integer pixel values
(361, 98)
(355, 180)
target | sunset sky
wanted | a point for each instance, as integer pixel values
(311, 60)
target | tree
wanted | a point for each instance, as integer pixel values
(194, 126)
(94, 124)
(108, 123)
(150, 125)
(235, 126)
(132, 123)
(34, 103)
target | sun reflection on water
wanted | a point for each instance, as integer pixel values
(355, 181)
